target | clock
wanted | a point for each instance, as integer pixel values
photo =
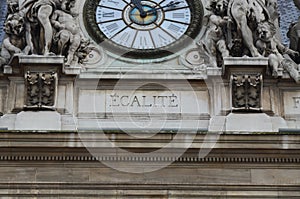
(143, 28)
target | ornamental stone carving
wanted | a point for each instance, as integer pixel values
(213, 43)
(269, 46)
(41, 89)
(44, 27)
(241, 28)
(231, 28)
(294, 34)
(246, 91)
(15, 42)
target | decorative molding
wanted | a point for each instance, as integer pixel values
(149, 190)
(157, 159)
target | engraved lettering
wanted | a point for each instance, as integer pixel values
(173, 101)
(114, 100)
(296, 102)
(135, 100)
(145, 103)
(154, 101)
(124, 100)
(162, 100)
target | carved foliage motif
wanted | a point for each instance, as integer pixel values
(246, 91)
(41, 89)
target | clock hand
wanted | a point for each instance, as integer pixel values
(172, 3)
(139, 6)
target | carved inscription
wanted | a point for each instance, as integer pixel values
(143, 101)
(296, 101)
(291, 102)
(159, 102)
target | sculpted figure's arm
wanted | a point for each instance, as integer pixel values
(217, 20)
(28, 38)
(285, 50)
(9, 46)
(55, 21)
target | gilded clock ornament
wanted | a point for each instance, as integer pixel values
(143, 29)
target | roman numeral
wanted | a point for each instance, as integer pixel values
(178, 15)
(112, 27)
(125, 37)
(161, 38)
(174, 28)
(143, 41)
(114, 2)
(108, 14)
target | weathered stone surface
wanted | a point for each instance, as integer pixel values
(142, 120)
(217, 124)
(59, 168)
(291, 100)
(275, 176)
(46, 120)
(249, 123)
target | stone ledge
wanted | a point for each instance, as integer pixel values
(136, 139)
(124, 191)
(159, 159)
(41, 59)
(246, 61)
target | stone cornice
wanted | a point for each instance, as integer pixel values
(210, 159)
(269, 148)
(71, 139)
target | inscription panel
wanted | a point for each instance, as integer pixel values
(148, 102)
(291, 103)
(143, 101)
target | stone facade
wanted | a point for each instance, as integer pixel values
(239, 166)
(206, 106)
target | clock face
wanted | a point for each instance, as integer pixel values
(143, 28)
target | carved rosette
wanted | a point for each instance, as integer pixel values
(40, 89)
(246, 91)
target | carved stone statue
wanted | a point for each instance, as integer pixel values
(246, 14)
(15, 42)
(83, 51)
(269, 46)
(272, 48)
(40, 11)
(272, 8)
(12, 6)
(67, 32)
(297, 3)
(212, 44)
(294, 34)
(44, 27)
